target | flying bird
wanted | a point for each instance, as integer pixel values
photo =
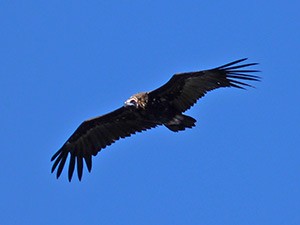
(162, 106)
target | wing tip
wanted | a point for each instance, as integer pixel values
(227, 66)
(235, 72)
(60, 160)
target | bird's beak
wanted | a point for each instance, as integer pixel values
(128, 103)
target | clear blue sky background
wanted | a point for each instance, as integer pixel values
(62, 62)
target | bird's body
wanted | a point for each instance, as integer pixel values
(159, 111)
(146, 110)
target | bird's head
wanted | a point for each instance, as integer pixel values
(131, 102)
(137, 101)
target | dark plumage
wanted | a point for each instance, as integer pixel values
(163, 106)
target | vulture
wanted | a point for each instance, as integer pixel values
(162, 106)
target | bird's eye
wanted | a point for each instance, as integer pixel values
(132, 101)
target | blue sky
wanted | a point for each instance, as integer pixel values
(65, 61)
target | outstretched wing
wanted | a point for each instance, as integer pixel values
(184, 89)
(95, 134)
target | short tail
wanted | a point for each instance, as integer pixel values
(180, 122)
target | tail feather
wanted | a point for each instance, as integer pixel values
(180, 122)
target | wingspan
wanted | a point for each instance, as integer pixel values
(184, 89)
(180, 93)
(95, 134)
